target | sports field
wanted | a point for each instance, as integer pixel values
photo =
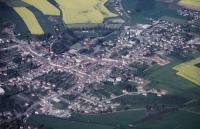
(194, 4)
(44, 6)
(189, 71)
(30, 20)
(81, 11)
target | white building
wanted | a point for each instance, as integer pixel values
(2, 91)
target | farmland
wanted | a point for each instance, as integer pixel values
(84, 68)
(44, 6)
(81, 121)
(30, 20)
(194, 4)
(90, 11)
(173, 120)
(189, 71)
(175, 85)
(149, 8)
(121, 119)
(56, 123)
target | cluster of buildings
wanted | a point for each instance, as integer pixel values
(140, 43)
(87, 103)
(194, 15)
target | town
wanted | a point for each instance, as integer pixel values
(60, 84)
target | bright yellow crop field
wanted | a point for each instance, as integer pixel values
(74, 12)
(44, 6)
(190, 3)
(84, 11)
(189, 71)
(30, 20)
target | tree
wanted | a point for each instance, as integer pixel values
(17, 59)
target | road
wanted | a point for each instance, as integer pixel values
(130, 93)
(123, 10)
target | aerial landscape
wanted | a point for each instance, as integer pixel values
(99, 64)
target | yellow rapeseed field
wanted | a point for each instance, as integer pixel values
(74, 12)
(30, 20)
(189, 71)
(195, 4)
(84, 11)
(44, 6)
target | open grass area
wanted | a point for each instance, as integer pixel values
(113, 119)
(140, 101)
(30, 20)
(44, 6)
(142, 10)
(173, 120)
(189, 71)
(56, 123)
(194, 4)
(79, 11)
(81, 121)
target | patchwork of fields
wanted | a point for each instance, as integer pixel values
(189, 71)
(30, 20)
(170, 81)
(44, 6)
(73, 12)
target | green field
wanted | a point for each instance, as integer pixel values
(166, 121)
(79, 121)
(172, 120)
(57, 123)
(142, 10)
(123, 118)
